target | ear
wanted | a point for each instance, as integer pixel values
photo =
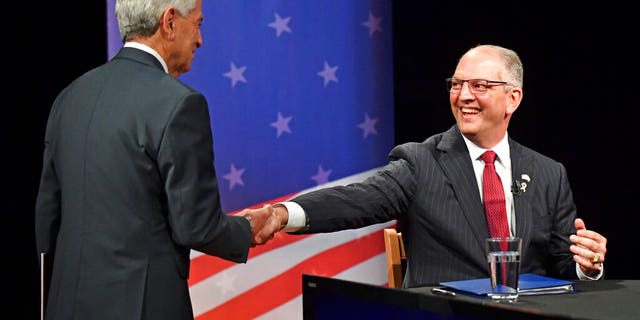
(167, 22)
(515, 97)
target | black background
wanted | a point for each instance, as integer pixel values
(579, 107)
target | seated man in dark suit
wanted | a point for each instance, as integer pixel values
(434, 189)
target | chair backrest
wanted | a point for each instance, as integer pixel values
(394, 249)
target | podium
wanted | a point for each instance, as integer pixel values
(333, 299)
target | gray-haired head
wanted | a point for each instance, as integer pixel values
(140, 18)
(512, 63)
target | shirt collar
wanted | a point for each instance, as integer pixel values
(148, 50)
(501, 149)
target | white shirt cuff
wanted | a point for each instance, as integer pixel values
(583, 276)
(297, 217)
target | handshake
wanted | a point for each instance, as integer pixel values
(265, 222)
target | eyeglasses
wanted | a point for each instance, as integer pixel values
(476, 86)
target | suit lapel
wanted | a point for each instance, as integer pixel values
(457, 166)
(521, 164)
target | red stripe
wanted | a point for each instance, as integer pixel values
(204, 266)
(287, 285)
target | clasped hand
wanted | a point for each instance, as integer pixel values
(265, 222)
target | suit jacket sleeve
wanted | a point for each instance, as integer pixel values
(564, 214)
(380, 198)
(185, 160)
(48, 210)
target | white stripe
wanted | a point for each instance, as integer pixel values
(371, 271)
(239, 278)
(292, 310)
(345, 181)
(235, 280)
(340, 182)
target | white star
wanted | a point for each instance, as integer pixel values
(234, 176)
(235, 74)
(329, 73)
(368, 126)
(373, 24)
(227, 284)
(281, 25)
(282, 124)
(322, 176)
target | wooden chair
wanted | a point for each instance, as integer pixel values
(396, 257)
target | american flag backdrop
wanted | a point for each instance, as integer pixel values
(301, 97)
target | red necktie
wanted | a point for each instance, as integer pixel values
(493, 194)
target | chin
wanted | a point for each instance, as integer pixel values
(467, 126)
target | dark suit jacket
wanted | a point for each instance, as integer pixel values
(431, 190)
(128, 187)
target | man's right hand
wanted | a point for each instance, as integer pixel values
(265, 222)
(274, 223)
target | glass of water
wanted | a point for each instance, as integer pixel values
(503, 255)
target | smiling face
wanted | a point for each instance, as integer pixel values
(484, 117)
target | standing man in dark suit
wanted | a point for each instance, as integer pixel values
(128, 185)
(434, 189)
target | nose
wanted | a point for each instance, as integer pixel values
(199, 40)
(465, 91)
